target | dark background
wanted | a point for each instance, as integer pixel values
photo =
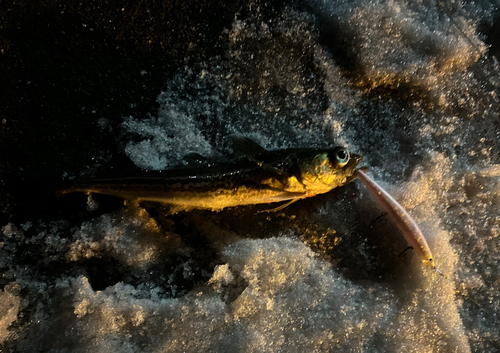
(64, 65)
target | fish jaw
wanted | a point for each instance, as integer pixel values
(350, 168)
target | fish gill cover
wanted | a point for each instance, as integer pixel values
(410, 86)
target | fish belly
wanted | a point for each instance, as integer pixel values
(186, 198)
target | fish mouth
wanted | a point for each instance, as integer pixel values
(353, 163)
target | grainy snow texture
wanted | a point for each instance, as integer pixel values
(409, 85)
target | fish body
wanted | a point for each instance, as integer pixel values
(260, 176)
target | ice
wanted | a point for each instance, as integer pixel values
(409, 85)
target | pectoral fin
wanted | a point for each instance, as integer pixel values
(279, 208)
(291, 197)
(287, 195)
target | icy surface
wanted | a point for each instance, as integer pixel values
(415, 93)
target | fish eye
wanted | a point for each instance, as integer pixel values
(340, 156)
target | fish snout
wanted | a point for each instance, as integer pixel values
(353, 163)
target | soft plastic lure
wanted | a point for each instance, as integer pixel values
(402, 219)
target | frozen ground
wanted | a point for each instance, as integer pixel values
(415, 91)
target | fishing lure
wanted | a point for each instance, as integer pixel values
(401, 218)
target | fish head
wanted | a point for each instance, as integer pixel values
(328, 169)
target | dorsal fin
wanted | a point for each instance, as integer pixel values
(243, 146)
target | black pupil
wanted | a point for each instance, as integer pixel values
(342, 155)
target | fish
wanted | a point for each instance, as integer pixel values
(258, 176)
(401, 218)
